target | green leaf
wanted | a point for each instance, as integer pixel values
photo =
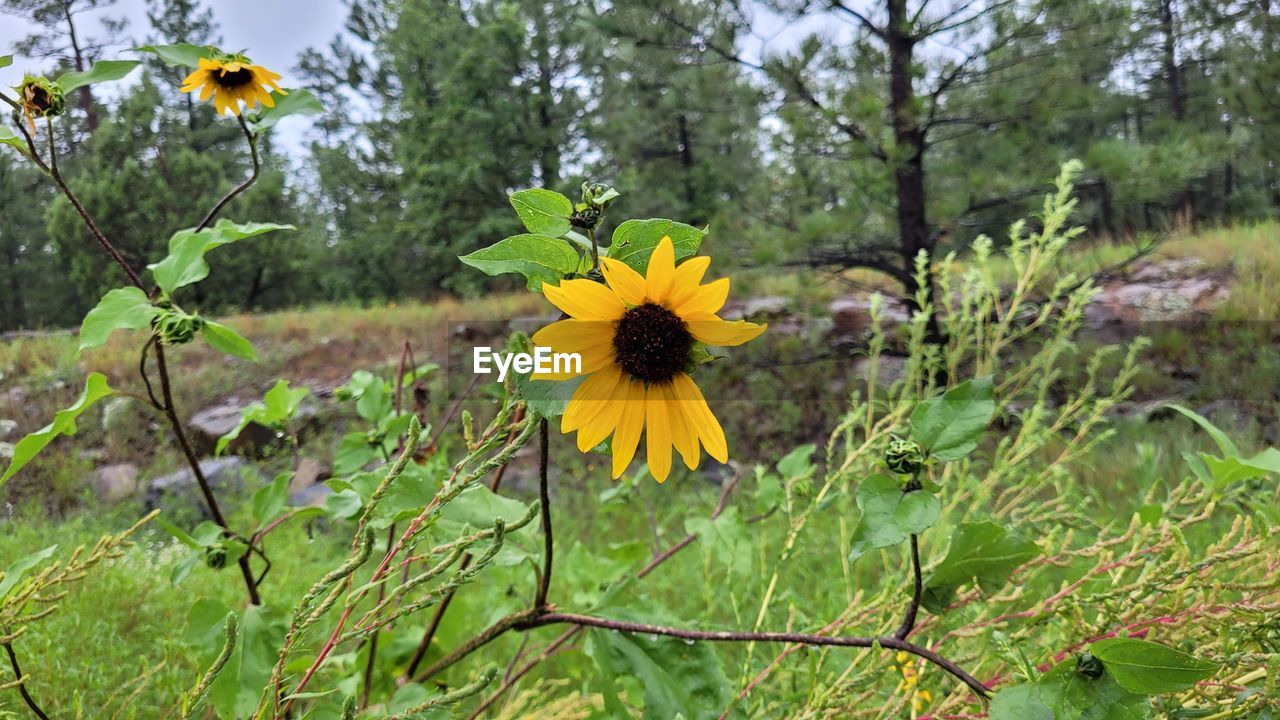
(126, 308)
(6, 61)
(539, 258)
(547, 398)
(725, 539)
(224, 339)
(889, 515)
(343, 505)
(64, 423)
(680, 680)
(1224, 443)
(949, 426)
(270, 500)
(798, 462)
(12, 139)
(1230, 470)
(1064, 694)
(237, 689)
(178, 533)
(982, 552)
(543, 212)
(182, 54)
(185, 263)
(1148, 668)
(634, 240)
(276, 409)
(297, 102)
(14, 572)
(102, 71)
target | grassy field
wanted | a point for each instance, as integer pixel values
(120, 644)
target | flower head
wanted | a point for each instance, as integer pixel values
(230, 79)
(40, 97)
(636, 335)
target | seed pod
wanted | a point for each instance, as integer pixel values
(904, 457)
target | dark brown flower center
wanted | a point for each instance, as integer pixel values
(38, 98)
(652, 344)
(235, 78)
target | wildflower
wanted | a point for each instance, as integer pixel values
(920, 698)
(230, 79)
(40, 97)
(636, 335)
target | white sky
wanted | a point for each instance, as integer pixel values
(273, 32)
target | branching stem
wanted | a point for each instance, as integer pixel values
(22, 684)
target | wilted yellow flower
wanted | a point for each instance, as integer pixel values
(636, 336)
(40, 97)
(230, 80)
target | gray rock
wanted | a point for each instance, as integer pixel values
(211, 423)
(180, 489)
(851, 314)
(8, 428)
(309, 472)
(6, 451)
(114, 483)
(768, 306)
(314, 496)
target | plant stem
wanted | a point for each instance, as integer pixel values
(595, 248)
(22, 684)
(237, 190)
(166, 392)
(443, 607)
(909, 622)
(54, 173)
(544, 581)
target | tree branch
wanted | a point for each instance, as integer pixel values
(22, 683)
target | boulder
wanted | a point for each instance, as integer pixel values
(211, 423)
(114, 483)
(6, 452)
(851, 314)
(765, 307)
(309, 472)
(8, 428)
(312, 496)
(1161, 291)
(180, 489)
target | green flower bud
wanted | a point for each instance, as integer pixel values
(585, 218)
(598, 195)
(215, 555)
(40, 97)
(904, 457)
(175, 327)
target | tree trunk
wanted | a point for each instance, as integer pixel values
(1173, 83)
(86, 93)
(549, 159)
(686, 166)
(907, 157)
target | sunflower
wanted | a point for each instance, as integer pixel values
(636, 336)
(230, 79)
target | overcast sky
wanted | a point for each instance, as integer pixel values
(274, 32)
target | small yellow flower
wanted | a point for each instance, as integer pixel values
(636, 336)
(920, 698)
(230, 80)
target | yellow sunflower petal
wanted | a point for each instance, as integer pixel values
(192, 81)
(682, 434)
(590, 361)
(661, 271)
(700, 418)
(574, 335)
(630, 423)
(723, 333)
(207, 92)
(585, 300)
(657, 433)
(264, 97)
(208, 64)
(594, 431)
(688, 274)
(627, 283)
(590, 399)
(706, 299)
